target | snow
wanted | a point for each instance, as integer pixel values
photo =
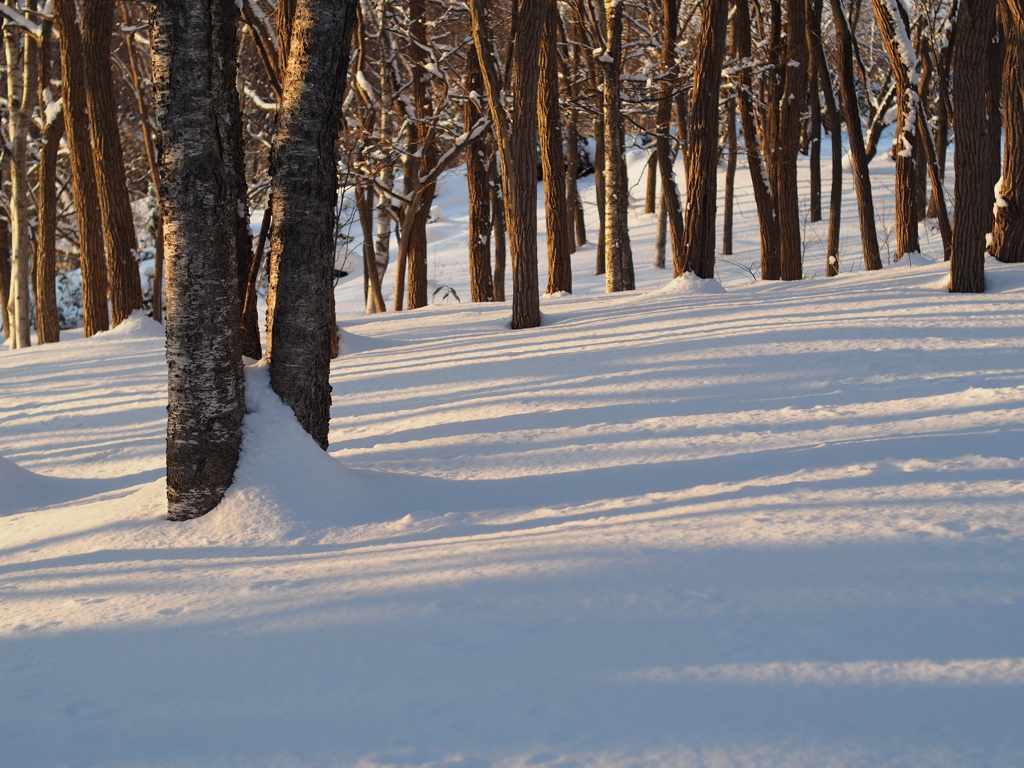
(707, 523)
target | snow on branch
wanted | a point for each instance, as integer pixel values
(20, 20)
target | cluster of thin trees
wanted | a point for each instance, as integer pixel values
(215, 107)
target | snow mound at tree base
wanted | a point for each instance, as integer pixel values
(690, 283)
(286, 489)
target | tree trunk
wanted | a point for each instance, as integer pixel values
(20, 100)
(791, 107)
(5, 278)
(83, 171)
(861, 174)
(895, 25)
(1008, 227)
(481, 285)
(618, 255)
(763, 198)
(206, 400)
(972, 200)
(730, 177)
(97, 18)
(516, 135)
(47, 319)
(697, 254)
(304, 185)
(497, 227)
(422, 158)
(556, 212)
(835, 207)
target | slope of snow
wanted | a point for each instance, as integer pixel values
(708, 523)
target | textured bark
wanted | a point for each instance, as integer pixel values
(697, 254)
(83, 172)
(861, 175)
(895, 26)
(47, 321)
(374, 297)
(730, 177)
(556, 212)
(972, 200)
(813, 125)
(942, 58)
(577, 226)
(480, 279)
(1008, 226)
(206, 401)
(516, 135)
(20, 100)
(791, 106)
(618, 254)
(115, 208)
(763, 197)
(305, 187)
(599, 190)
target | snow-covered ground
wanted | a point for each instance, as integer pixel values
(703, 524)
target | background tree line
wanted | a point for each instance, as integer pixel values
(210, 109)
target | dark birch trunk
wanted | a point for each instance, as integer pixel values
(304, 186)
(972, 199)
(835, 207)
(206, 400)
(697, 254)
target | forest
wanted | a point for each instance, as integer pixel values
(507, 383)
(184, 118)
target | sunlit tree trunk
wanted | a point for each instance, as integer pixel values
(304, 186)
(83, 171)
(972, 199)
(206, 401)
(97, 19)
(697, 254)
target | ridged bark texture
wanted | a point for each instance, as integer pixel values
(47, 320)
(304, 186)
(618, 254)
(791, 107)
(697, 254)
(206, 400)
(1008, 227)
(115, 208)
(556, 212)
(972, 200)
(672, 207)
(83, 171)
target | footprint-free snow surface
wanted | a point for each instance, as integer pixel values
(775, 526)
(750, 526)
